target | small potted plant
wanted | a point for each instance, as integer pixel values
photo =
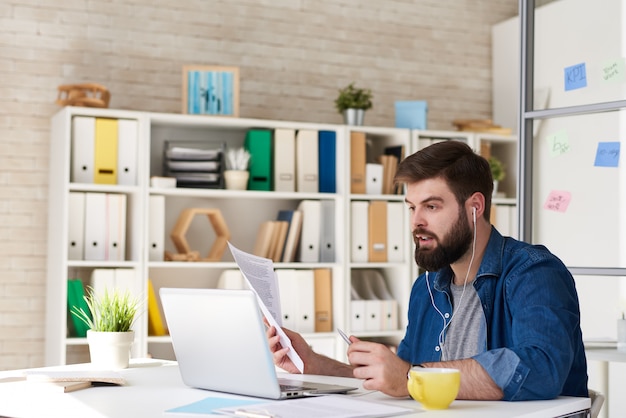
(110, 319)
(497, 172)
(352, 102)
(236, 174)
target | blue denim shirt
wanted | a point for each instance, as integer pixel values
(534, 347)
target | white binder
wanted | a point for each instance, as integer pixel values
(127, 145)
(284, 160)
(156, 228)
(288, 292)
(373, 178)
(102, 279)
(371, 304)
(357, 311)
(388, 304)
(95, 226)
(310, 234)
(231, 279)
(396, 232)
(327, 233)
(305, 301)
(126, 280)
(76, 226)
(116, 226)
(307, 161)
(83, 149)
(359, 216)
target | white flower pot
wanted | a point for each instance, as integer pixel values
(236, 179)
(110, 350)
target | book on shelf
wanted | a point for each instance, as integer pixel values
(293, 237)
(264, 237)
(396, 151)
(278, 240)
(390, 165)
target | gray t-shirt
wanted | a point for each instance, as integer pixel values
(466, 335)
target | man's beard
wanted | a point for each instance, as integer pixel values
(455, 244)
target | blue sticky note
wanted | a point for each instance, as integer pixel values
(208, 405)
(607, 154)
(575, 77)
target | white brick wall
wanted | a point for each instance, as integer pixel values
(293, 56)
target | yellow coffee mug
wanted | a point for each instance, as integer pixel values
(434, 388)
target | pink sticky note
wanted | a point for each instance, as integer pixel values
(558, 201)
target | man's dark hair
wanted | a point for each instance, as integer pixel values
(464, 171)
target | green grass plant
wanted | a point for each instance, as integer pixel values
(112, 311)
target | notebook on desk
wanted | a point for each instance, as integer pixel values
(220, 344)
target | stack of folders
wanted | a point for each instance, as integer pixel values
(278, 239)
(377, 231)
(194, 164)
(375, 177)
(372, 307)
(104, 150)
(305, 297)
(305, 234)
(303, 160)
(97, 227)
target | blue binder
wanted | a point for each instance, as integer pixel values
(327, 162)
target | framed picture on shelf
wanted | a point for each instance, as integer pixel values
(210, 90)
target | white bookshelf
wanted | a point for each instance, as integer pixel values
(243, 212)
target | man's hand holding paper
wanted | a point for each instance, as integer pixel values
(261, 278)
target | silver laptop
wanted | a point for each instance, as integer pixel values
(220, 344)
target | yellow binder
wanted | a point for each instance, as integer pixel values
(155, 321)
(105, 150)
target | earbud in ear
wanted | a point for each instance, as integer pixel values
(474, 214)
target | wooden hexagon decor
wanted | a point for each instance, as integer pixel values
(182, 225)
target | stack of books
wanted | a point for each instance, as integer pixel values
(278, 239)
(196, 165)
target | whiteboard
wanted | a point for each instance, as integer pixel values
(579, 189)
(579, 182)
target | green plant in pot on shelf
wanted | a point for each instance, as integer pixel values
(110, 318)
(497, 172)
(352, 102)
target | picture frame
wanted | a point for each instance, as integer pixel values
(210, 90)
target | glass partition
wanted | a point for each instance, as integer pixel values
(579, 53)
(579, 188)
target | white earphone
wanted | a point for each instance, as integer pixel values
(474, 216)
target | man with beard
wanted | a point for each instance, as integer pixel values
(503, 312)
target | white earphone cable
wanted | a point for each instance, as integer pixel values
(454, 311)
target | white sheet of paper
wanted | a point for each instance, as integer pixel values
(332, 406)
(261, 277)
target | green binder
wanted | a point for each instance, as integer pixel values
(258, 142)
(75, 297)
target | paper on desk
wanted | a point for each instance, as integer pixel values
(208, 405)
(331, 406)
(261, 278)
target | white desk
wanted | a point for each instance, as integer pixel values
(155, 387)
